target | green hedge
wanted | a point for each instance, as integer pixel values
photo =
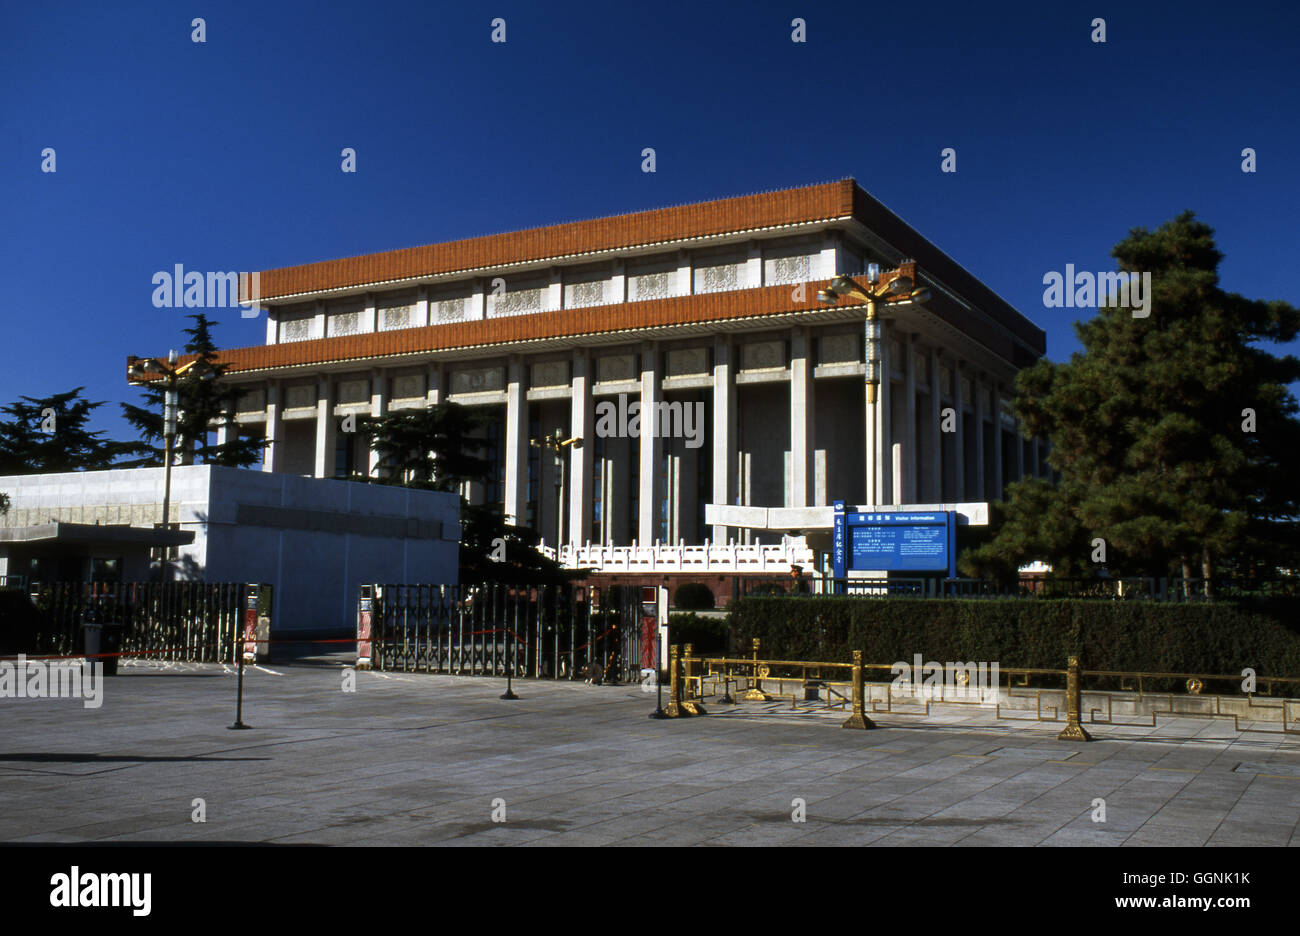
(706, 635)
(693, 596)
(1217, 637)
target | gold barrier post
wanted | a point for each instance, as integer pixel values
(1074, 730)
(859, 717)
(690, 703)
(755, 692)
(675, 707)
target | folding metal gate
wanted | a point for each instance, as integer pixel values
(569, 631)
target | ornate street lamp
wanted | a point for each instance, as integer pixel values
(556, 442)
(898, 288)
(143, 370)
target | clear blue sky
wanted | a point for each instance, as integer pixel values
(225, 155)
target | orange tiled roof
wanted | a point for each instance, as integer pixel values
(769, 209)
(998, 326)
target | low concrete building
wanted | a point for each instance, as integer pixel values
(315, 540)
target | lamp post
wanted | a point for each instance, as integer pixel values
(896, 288)
(142, 370)
(556, 442)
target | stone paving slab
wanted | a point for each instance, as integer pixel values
(411, 759)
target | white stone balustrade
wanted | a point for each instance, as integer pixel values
(705, 559)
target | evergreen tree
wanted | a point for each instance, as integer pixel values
(1175, 435)
(201, 403)
(50, 434)
(434, 449)
(426, 448)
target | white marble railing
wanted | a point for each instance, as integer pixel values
(710, 557)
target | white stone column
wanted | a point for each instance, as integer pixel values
(516, 493)
(422, 308)
(724, 429)
(272, 327)
(582, 424)
(273, 454)
(477, 305)
(320, 320)
(802, 434)
(369, 315)
(651, 448)
(753, 266)
(327, 428)
(828, 261)
(685, 274)
(554, 297)
(618, 282)
(378, 407)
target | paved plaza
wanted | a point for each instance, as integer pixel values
(414, 759)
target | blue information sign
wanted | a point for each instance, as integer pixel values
(898, 541)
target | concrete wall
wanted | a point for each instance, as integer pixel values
(315, 540)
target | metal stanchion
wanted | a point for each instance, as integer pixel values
(726, 691)
(675, 708)
(659, 684)
(239, 692)
(514, 660)
(690, 703)
(859, 717)
(756, 693)
(249, 630)
(1074, 730)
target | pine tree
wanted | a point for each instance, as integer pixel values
(426, 448)
(1175, 435)
(50, 434)
(201, 403)
(433, 449)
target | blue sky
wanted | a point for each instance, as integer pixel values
(225, 155)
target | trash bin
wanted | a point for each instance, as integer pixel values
(101, 638)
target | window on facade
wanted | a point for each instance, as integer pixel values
(345, 455)
(492, 451)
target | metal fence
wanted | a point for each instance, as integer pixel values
(541, 631)
(1116, 589)
(1073, 696)
(177, 621)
